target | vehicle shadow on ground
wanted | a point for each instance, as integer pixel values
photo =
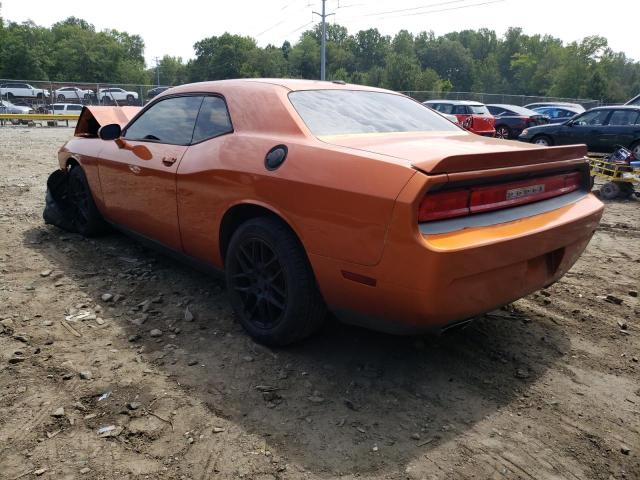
(348, 400)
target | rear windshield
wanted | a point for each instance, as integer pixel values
(478, 109)
(340, 112)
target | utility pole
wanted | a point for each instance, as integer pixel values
(323, 40)
(157, 59)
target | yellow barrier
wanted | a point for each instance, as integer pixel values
(36, 116)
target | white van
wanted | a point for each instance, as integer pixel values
(65, 109)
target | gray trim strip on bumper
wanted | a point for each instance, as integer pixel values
(501, 216)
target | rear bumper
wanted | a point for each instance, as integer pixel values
(485, 133)
(427, 282)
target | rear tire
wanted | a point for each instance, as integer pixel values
(635, 148)
(503, 132)
(271, 285)
(542, 140)
(85, 216)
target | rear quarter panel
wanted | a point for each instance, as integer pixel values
(338, 203)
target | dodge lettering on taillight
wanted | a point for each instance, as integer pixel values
(524, 191)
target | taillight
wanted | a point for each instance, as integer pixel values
(439, 205)
(466, 201)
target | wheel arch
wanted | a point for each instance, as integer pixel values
(71, 162)
(239, 213)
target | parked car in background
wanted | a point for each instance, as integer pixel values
(156, 91)
(117, 95)
(8, 107)
(451, 118)
(326, 196)
(473, 116)
(72, 93)
(575, 106)
(512, 119)
(558, 114)
(65, 109)
(634, 101)
(22, 90)
(601, 129)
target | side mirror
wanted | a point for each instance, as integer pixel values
(110, 132)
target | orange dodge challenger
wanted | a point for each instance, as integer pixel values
(316, 196)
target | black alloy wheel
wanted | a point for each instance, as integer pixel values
(270, 283)
(259, 281)
(82, 210)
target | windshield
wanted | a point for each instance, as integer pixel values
(341, 112)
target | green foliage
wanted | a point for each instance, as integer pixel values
(469, 60)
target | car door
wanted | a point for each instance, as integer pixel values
(139, 181)
(622, 128)
(587, 128)
(201, 186)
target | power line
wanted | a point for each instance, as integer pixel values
(394, 13)
(300, 28)
(430, 5)
(449, 9)
(283, 20)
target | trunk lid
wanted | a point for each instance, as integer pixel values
(436, 153)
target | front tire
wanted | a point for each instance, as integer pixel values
(271, 285)
(85, 216)
(130, 99)
(635, 148)
(61, 98)
(542, 140)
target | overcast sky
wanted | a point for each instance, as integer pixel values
(173, 30)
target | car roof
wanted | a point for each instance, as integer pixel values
(617, 107)
(456, 102)
(559, 107)
(292, 84)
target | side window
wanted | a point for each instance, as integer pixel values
(623, 118)
(169, 121)
(445, 108)
(75, 108)
(58, 107)
(593, 118)
(213, 119)
(460, 110)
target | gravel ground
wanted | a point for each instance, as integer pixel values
(545, 388)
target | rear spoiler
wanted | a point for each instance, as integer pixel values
(92, 118)
(517, 158)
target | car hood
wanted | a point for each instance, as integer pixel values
(548, 128)
(438, 152)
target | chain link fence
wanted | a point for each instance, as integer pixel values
(498, 98)
(40, 95)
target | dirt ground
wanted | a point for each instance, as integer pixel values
(546, 388)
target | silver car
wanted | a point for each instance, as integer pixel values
(8, 107)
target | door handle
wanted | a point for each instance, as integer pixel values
(168, 161)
